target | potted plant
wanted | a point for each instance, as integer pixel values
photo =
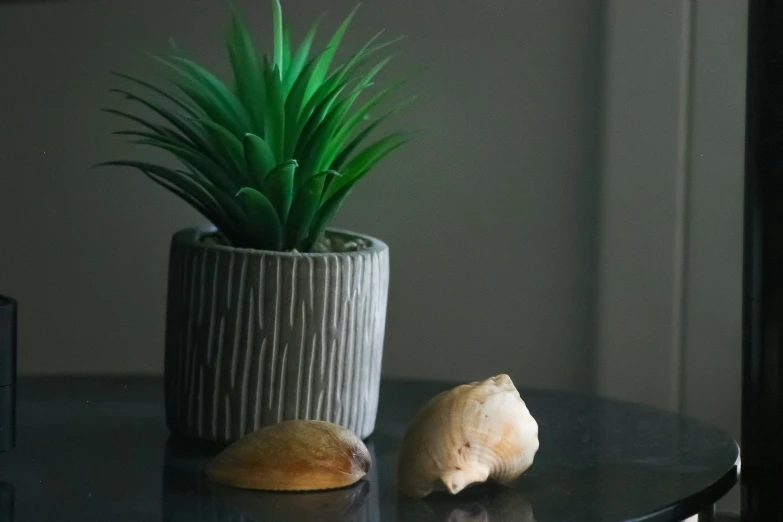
(270, 315)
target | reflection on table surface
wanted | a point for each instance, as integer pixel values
(189, 496)
(98, 449)
(482, 503)
(6, 502)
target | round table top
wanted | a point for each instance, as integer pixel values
(98, 449)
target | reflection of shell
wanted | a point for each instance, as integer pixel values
(475, 432)
(294, 455)
(343, 505)
(482, 503)
(509, 506)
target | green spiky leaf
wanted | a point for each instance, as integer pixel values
(314, 158)
(299, 59)
(179, 102)
(232, 151)
(368, 158)
(326, 58)
(279, 188)
(262, 221)
(340, 152)
(277, 17)
(303, 210)
(248, 78)
(259, 157)
(325, 213)
(141, 121)
(287, 52)
(274, 129)
(341, 73)
(321, 112)
(294, 104)
(355, 120)
(209, 93)
(271, 157)
(204, 166)
(214, 204)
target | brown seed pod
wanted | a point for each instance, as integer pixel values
(298, 455)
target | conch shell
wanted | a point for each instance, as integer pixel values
(466, 435)
(297, 455)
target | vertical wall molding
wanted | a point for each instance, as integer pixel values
(669, 311)
(682, 203)
(670, 255)
(644, 200)
(713, 308)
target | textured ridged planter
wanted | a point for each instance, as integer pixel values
(256, 337)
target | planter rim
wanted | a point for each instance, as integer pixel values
(192, 237)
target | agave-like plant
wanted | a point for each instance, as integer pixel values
(270, 161)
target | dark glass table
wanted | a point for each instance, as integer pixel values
(97, 449)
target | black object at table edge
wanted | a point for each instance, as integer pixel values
(762, 336)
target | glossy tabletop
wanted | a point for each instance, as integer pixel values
(97, 449)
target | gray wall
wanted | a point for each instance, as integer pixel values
(490, 216)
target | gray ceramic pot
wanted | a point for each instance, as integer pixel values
(256, 337)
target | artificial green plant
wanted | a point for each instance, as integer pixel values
(270, 160)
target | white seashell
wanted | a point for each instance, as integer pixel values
(467, 435)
